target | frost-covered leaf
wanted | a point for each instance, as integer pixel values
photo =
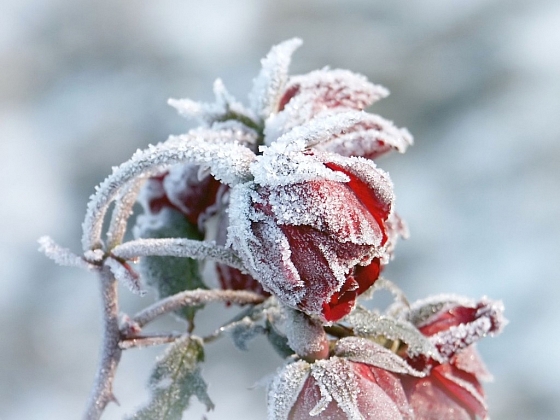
(170, 275)
(175, 379)
(362, 350)
(370, 324)
(225, 108)
(60, 255)
(243, 331)
(269, 84)
(278, 341)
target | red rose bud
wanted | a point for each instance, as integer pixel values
(314, 242)
(452, 390)
(337, 389)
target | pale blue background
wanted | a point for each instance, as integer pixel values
(83, 84)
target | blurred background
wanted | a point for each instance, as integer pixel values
(84, 84)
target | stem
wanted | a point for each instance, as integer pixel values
(178, 247)
(148, 340)
(194, 297)
(102, 392)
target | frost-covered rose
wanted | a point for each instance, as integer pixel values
(452, 388)
(365, 384)
(312, 227)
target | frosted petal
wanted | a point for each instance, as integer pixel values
(269, 84)
(308, 95)
(371, 136)
(284, 389)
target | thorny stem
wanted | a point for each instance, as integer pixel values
(102, 392)
(193, 297)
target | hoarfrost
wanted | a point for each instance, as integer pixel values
(62, 256)
(124, 273)
(268, 85)
(178, 247)
(228, 162)
(284, 389)
(174, 380)
(305, 335)
(362, 350)
(310, 94)
(369, 324)
(224, 107)
(243, 331)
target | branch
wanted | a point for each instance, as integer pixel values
(102, 392)
(178, 247)
(228, 162)
(194, 297)
(148, 340)
(122, 211)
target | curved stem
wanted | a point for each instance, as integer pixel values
(178, 247)
(102, 392)
(193, 297)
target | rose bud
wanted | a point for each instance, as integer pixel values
(452, 389)
(312, 228)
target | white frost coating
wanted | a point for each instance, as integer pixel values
(372, 135)
(280, 166)
(284, 389)
(178, 247)
(422, 311)
(488, 320)
(60, 255)
(370, 324)
(269, 84)
(315, 92)
(207, 113)
(126, 276)
(228, 163)
(320, 129)
(337, 381)
(305, 335)
(122, 211)
(362, 350)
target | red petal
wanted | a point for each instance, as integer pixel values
(455, 381)
(366, 276)
(375, 205)
(453, 317)
(341, 302)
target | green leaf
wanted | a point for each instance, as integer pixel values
(175, 379)
(171, 275)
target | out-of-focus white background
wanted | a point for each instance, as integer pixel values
(84, 84)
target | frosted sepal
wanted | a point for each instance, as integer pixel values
(362, 350)
(284, 389)
(270, 82)
(370, 324)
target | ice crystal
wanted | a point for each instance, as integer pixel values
(284, 389)
(175, 379)
(370, 324)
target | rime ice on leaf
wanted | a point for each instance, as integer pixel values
(175, 379)
(243, 331)
(269, 84)
(370, 324)
(223, 109)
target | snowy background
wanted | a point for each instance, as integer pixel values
(84, 84)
